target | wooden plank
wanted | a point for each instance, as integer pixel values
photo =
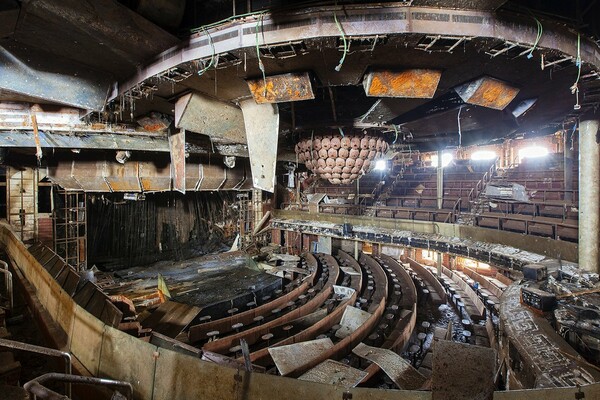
(170, 318)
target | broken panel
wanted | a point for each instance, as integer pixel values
(487, 92)
(262, 131)
(412, 83)
(282, 88)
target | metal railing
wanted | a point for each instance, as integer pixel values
(36, 386)
(8, 283)
(11, 344)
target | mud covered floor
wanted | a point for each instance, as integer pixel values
(197, 281)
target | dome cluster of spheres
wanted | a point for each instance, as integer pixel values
(341, 159)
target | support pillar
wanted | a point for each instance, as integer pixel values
(440, 181)
(589, 196)
(568, 167)
(439, 264)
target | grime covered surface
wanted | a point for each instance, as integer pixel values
(197, 281)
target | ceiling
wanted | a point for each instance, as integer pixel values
(89, 54)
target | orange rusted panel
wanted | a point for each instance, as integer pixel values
(282, 88)
(412, 83)
(487, 92)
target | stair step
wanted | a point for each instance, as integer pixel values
(13, 393)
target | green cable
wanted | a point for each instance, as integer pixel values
(578, 60)
(538, 37)
(260, 63)
(339, 26)
(212, 58)
(395, 130)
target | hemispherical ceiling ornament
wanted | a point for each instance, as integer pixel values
(338, 156)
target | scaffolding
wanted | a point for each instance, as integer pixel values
(70, 234)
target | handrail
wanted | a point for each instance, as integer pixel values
(11, 344)
(38, 390)
(9, 283)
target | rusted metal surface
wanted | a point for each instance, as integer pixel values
(397, 368)
(262, 131)
(178, 167)
(487, 92)
(474, 379)
(290, 358)
(334, 373)
(293, 86)
(412, 83)
(155, 122)
(222, 122)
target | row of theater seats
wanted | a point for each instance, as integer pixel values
(551, 210)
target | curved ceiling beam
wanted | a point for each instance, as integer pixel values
(358, 21)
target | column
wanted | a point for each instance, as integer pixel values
(440, 181)
(589, 195)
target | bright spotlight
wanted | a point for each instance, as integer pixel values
(381, 165)
(446, 159)
(532, 152)
(483, 155)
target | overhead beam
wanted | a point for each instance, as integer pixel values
(34, 73)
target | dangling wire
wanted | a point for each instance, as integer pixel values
(575, 87)
(341, 131)
(212, 57)
(396, 131)
(345, 42)
(459, 128)
(538, 37)
(260, 63)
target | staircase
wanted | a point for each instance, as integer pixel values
(479, 200)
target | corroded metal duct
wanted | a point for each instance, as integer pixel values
(145, 176)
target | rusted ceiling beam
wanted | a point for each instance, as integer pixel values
(33, 73)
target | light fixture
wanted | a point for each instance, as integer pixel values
(532, 152)
(446, 159)
(380, 165)
(483, 155)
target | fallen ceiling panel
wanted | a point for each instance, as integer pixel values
(293, 356)
(262, 131)
(221, 121)
(335, 373)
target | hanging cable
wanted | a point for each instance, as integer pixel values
(212, 57)
(260, 63)
(341, 131)
(345, 42)
(396, 131)
(540, 30)
(575, 87)
(459, 128)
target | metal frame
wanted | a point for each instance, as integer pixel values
(8, 282)
(11, 344)
(38, 390)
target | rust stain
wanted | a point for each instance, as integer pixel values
(493, 94)
(414, 83)
(282, 88)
